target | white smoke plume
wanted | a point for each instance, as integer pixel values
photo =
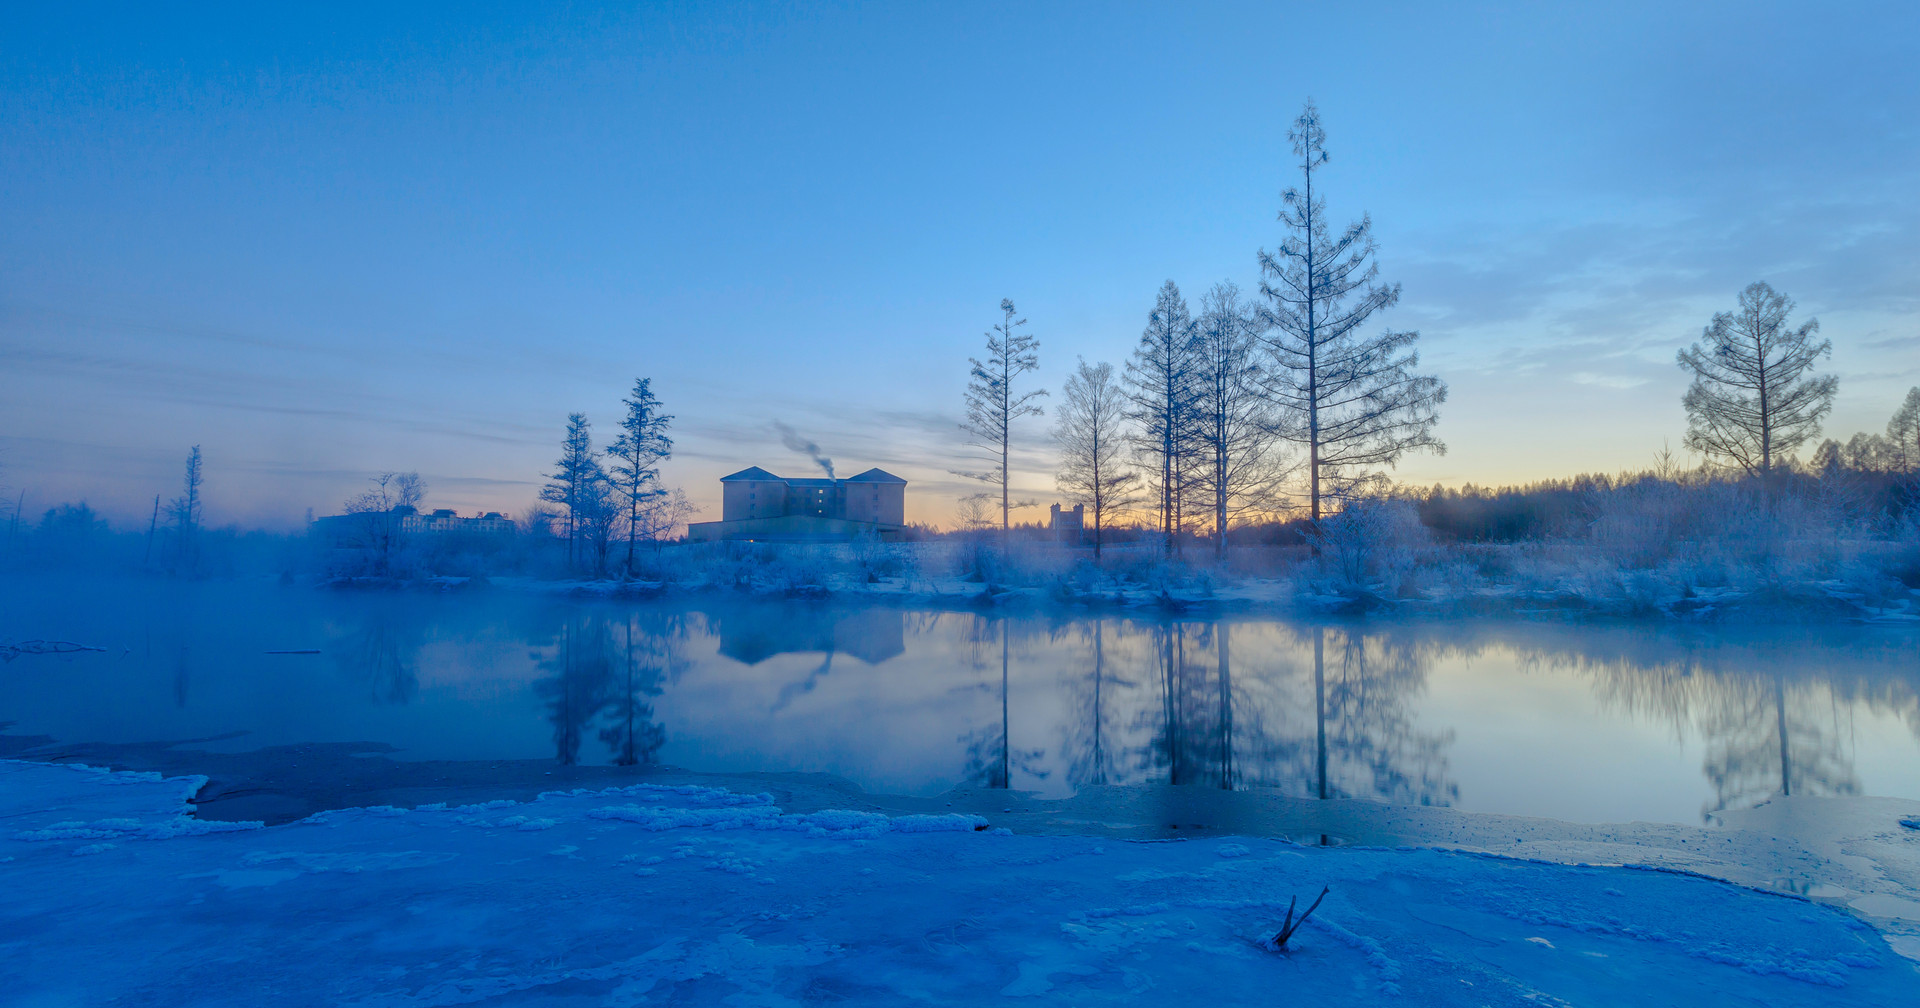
(792, 439)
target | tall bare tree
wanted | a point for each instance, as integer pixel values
(993, 406)
(1241, 461)
(1754, 400)
(1163, 393)
(1352, 400)
(636, 454)
(1090, 428)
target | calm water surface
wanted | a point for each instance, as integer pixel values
(1589, 724)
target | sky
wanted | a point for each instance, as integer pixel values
(326, 241)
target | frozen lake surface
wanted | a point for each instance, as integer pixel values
(1580, 723)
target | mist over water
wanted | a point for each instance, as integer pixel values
(1579, 723)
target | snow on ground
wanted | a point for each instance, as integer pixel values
(686, 895)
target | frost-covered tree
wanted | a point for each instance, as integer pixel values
(1903, 433)
(389, 490)
(185, 511)
(1163, 394)
(573, 482)
(380, 531)
(1090, 429)
(636, 455)
(993, 407)
(1754, 399)
(1241, 462)
(661, 514)
(1350, 398)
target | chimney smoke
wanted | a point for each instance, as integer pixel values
(792, 439)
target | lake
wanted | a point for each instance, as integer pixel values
(1581, 723)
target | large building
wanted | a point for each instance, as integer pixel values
(358, 528)
(757, 505)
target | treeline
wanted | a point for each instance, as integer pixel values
(1226, 416)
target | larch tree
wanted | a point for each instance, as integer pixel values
(1350, 398)
(636, 455)
(1162, 395)
(1090, 427)
(185, 510)
(993, 407)
(572, 484)
(1241, 462)
(1754, 399)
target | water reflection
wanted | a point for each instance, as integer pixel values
(653, 656)
(381, 651)
(606, 671)
(1767, 731)
(753, 636)
(1600, 723)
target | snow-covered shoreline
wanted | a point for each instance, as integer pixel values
(680, 894)
(1812, 604)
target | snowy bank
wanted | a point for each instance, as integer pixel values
(686, 895)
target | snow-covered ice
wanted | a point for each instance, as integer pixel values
(685, 895)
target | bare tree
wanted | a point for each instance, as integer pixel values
(1753, 401)
(993, 406)
(1163, 393)
(1090, 428)
(185, 511)
(1352, 400)
(973, 514)
(661, 514)
(637, 453)
(1242, 465)
(573, 480)
(382, 531)
(599, 515)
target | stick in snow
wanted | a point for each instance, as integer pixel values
(1289, 926)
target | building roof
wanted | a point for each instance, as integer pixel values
(874, 476)
(759, 475)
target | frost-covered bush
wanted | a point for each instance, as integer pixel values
(1370, 543)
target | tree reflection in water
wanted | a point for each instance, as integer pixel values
(383, 652)
(609, 671)
(652, 656)
(991, 757)
(1766, 733)
(1090, 758)
(1317, 712)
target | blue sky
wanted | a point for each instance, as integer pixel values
(331, 241)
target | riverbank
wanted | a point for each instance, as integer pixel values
(1830, 601)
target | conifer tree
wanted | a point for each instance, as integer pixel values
(992, 404)
(1754, 400)
(636, 455)
(1163, 394)
(1350, 397)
